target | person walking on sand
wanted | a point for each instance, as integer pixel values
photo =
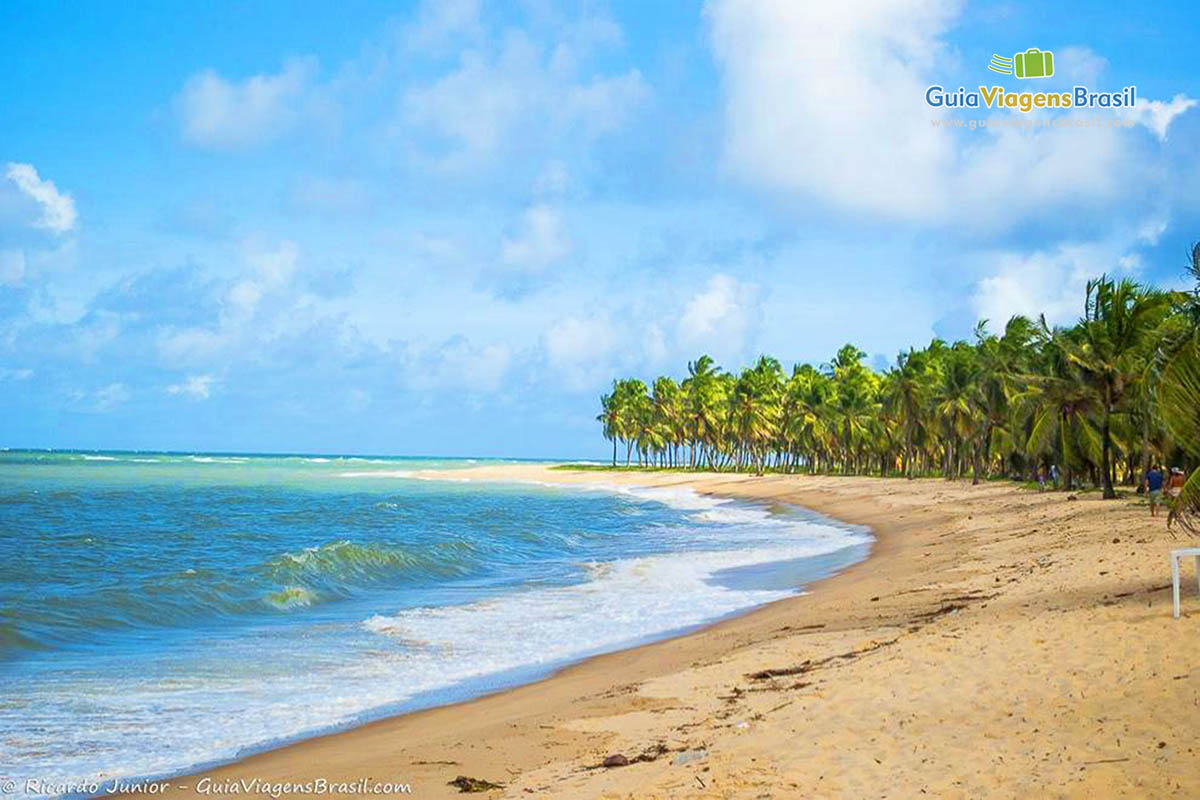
(1054, 476)
(1154, 486)
(1174, 490)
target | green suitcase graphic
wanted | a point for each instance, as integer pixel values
(1034, 63)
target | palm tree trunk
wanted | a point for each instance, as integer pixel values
(1106, 448)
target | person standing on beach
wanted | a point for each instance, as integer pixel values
(1054, 475)
(1174, 490)
(1154, 486)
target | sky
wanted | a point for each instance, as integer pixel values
(443, 228)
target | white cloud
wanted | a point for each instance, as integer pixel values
(193, 345)
(215, 112)
(540, 242)
(58, 208)
(828, 101)
(196, 387)
(516, 93)
(456, 363)
(721, 318)
(271, 269)
(1079, 65)
(606, 103)
(1158, 115)
(477, 104)
(579, 348)
(244, 321)
(22, 374)
(110, 396)
(439, 22)
(328, 195)
(1048, 281)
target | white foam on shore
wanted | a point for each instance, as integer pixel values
(379, 473)
(623, 602)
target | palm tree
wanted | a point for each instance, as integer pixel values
(756, 407)
(905, 392)
(1179, 393)
(1060, 410)
(702, 403)
(1117, 319)
(957, 404)
(1088, 396)
(668, 414)
(854, 403)
(610, 418)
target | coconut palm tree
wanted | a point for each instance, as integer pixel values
(1178, 393)
(905, 392)
(1118, 318)
(1124, 379)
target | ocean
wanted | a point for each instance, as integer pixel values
(161, 612)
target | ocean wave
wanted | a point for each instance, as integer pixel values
(292, 597)
(565, 576)
(733, 515)
(343, 563)
(620, 602)
(378, 473)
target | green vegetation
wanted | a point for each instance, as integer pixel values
(1099, 400)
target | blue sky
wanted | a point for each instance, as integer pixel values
(442, 228)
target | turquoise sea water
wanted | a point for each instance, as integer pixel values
(163, 611)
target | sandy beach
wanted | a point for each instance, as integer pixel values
(998, 642)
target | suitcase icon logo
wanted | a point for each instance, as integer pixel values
(1033, 63)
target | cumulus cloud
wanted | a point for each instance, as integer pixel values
(195, 387)
(240, 318)
(579, 348)
(721, 317)
(1079, 64)
(606, 103)
(514, 93)
(110, 397)
(540, 241)
(220, 113)
(270, 269)
(1158, 115)
(57, 208)
(1050, 281)
(826, 101)
(456, 363)
(438, 23)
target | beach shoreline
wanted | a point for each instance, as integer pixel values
(693, 723)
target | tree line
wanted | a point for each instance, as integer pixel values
(1099, 399)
